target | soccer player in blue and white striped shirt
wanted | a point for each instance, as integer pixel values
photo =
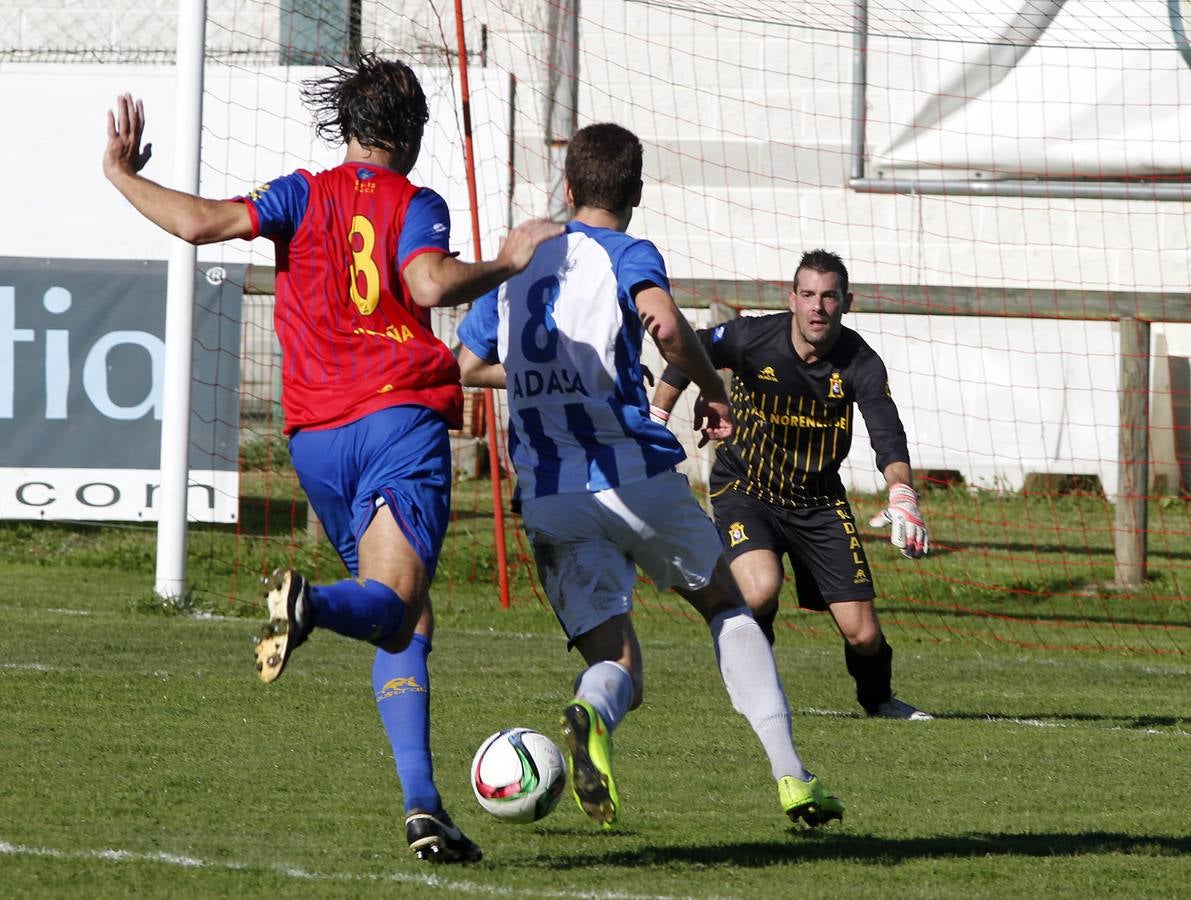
(598, 489)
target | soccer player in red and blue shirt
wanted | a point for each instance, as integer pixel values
(368, 390)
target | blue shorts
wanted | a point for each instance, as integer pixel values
(400, 456)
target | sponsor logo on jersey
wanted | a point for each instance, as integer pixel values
(888, 393)
(257, 192)
(767, 374)
(718, 334)
(400, 335)
(438, 227)
(533, 383)
(395, 687)
(736, 534)
(797, 421)
(835, 388)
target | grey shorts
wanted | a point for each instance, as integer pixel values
(588, 546)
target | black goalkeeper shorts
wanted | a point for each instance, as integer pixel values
(823, 544)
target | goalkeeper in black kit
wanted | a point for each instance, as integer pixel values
(775, 485)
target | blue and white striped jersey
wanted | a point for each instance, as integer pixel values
(568, 334)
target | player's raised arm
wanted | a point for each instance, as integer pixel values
(680, 347)
(435, 279)
(194, 219)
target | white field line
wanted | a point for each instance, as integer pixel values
(1003, 720)
(290, 871)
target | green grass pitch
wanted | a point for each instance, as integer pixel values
(140, 756)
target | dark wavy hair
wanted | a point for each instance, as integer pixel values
(603, 166)
(824, 261)
(379, 102)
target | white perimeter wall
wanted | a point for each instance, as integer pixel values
(743, 172)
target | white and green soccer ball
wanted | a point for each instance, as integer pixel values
(518, 775)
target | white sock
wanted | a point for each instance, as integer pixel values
(750, 675)
(608, 687)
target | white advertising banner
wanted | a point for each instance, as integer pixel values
(82, 359)
(122, 495)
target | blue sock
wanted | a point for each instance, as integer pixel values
(402, 685)
(366, 610)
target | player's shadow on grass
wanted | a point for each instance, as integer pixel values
(819, 846)
(940, 546)
(1060, 550)
(1035, 610)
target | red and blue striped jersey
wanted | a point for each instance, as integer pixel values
(352, 340)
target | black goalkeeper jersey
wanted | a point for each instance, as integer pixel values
(794, 419)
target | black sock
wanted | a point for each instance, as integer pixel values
(766, 620)
(873, 674)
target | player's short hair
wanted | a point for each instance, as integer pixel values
(603, 166)
(824, 261)
(379, 102)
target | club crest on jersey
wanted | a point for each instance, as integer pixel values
(736, 534)
(835, 388)
(767, 374)
(861, 577)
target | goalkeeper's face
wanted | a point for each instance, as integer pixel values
(818, 305)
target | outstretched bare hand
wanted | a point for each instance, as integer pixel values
(124, 154)
(714, 418)
(521, 242)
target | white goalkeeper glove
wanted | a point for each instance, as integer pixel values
(908, 531)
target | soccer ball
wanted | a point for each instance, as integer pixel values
(518, 775)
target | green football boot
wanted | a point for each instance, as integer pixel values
(809, 801)
(589, 762)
